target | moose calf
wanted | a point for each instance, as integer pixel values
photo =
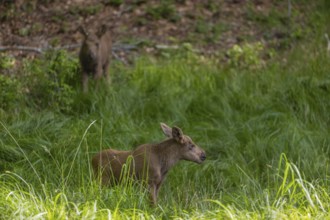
(94, 54)
(150, 162)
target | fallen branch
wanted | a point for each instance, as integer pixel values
(166, 47)
(39, 50)
(23, 48)
(124, 47)
(67, 47)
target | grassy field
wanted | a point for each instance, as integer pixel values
(265, 128)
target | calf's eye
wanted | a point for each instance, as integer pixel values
(191, 146)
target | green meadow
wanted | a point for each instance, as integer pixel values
(264, 124)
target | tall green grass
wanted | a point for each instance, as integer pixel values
(266, 133)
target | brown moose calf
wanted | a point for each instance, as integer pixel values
(94, 54)
(150, 162)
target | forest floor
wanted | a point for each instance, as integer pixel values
(210, 26)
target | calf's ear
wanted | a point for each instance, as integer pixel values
(83, 31)
(177, 134)
(167, 130)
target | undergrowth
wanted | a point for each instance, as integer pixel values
(266, 134)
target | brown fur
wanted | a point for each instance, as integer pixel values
(94, 54)
(150, 162)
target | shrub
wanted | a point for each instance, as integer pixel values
(165, 10)
(9, 92)
(115, 3)
(246, 56)
(50, 81)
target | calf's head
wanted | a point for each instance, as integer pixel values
(188, 150)
(90, 44)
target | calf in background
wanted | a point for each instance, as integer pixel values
(94, 54)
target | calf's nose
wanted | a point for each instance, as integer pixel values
(203, 156)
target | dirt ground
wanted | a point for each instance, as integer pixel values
(209, 25)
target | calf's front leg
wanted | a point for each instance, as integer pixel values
(153, 194)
